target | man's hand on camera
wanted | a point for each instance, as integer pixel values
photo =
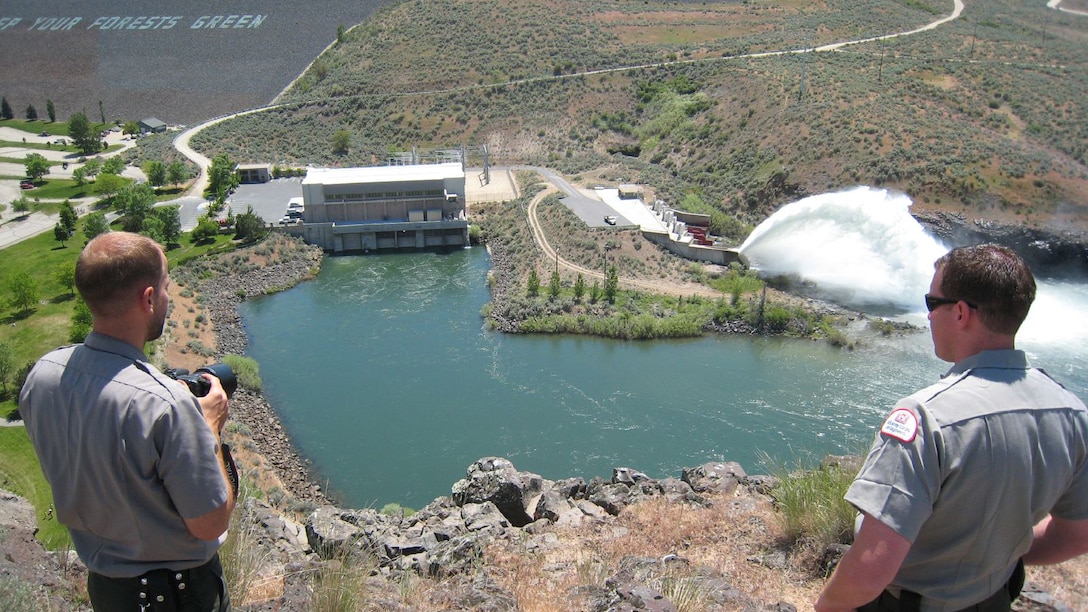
(214, 404)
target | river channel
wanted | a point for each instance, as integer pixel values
(385, 378)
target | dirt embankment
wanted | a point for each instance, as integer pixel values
(205, 325)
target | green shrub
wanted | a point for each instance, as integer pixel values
(246, 369)
(811, 504)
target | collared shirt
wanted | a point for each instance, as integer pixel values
(127, 453)
(965, 468)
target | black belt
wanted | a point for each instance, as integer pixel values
(908, 601)
(163, 590)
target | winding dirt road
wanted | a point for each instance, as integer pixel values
(653, 286)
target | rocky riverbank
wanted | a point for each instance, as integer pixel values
(1056, 253)
(284, 264)
(503, 539)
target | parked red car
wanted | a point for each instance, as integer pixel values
(26, 185)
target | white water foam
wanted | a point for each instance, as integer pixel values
(860, 247)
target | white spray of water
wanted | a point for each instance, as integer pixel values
(859, 247)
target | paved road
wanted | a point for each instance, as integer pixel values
(15, 228)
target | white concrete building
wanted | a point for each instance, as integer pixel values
(384, 207)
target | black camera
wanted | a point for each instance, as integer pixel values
(198, 385)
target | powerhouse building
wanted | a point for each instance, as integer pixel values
(384, 207)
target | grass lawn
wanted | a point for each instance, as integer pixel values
(62, 189)
(46, 325)
(41, 329)
(21, 474)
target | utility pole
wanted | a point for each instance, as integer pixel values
(880, 70)
(804, 64)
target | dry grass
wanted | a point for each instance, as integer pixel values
(724, 538)
(729, 538)
(1068, 582)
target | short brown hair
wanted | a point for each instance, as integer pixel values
(114, 266)
(994, 279)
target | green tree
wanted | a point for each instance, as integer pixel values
(109, 184)
(554, 285)
(205, 231)
(114, 165)
(31, 113)
(51, 110)
(24, 291)
(81, 322)
(130, 127)
(579, 286)
(152, 227)
(156, 172)
(176, 173)
(21, 205)
(170, 216)
(79, 175)
(95, 224)
(3, 207)
(532, 288)
(221, 176)
(68, 217)
(5, 109)
(84, 136)
(341, 142)
(60, 234)
(65, 275)
(248, 227)
(7, 364)
(611, 284)
(135, 202)
(595, 292)
(37, 166)
(93, 167)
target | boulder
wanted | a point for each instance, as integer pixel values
(715, 477)
(628, 476)
(328, 534)
(612, 497)
(485, 518)
(495, 480)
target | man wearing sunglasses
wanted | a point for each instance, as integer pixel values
(973, 477)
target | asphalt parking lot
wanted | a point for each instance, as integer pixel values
(269, 200)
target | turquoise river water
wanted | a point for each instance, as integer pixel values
(384, 377)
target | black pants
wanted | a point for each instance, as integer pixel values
(1001, 601)
(200, 589)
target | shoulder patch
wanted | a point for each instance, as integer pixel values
(901, 424)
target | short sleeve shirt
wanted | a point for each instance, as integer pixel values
(127, 453)
(965, 468)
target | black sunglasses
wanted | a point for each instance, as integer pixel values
(933, 302)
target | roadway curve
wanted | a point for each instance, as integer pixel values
(181, 143)
(550, 255)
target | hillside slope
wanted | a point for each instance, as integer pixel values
(981, 116)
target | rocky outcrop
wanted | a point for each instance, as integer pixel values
(496, 501)
(448, 539)
(30, 577)
(1049, 253)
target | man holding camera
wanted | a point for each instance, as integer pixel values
(133, 457)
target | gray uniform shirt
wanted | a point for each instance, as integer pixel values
(127, 453)
(965, 468)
